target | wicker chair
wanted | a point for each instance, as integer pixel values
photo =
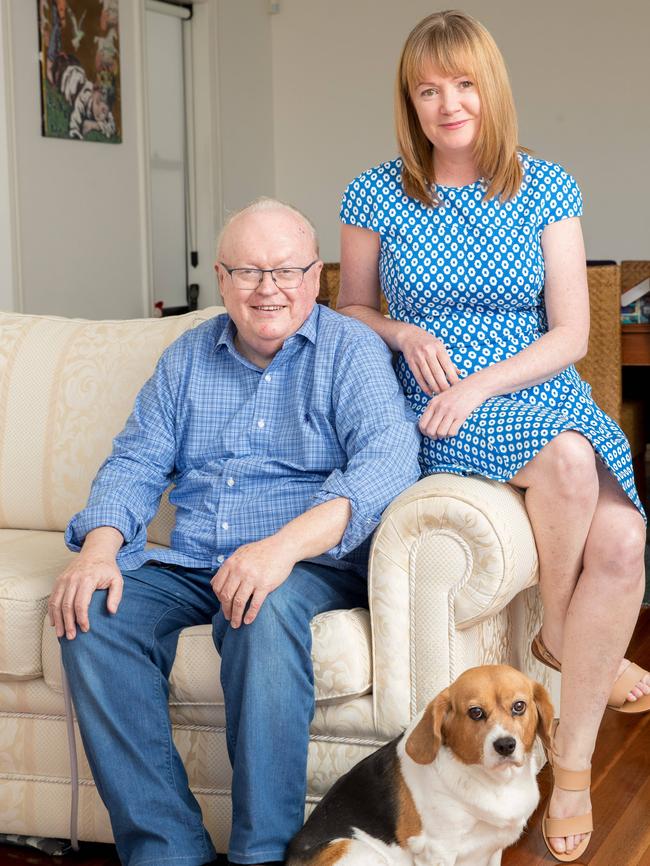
(330, 282)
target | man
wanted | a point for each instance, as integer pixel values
(285, 434)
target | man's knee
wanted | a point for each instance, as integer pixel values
(280, 620)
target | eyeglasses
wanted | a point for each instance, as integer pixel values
(248, 279)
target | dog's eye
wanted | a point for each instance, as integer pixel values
(476, 713)
(519, 708)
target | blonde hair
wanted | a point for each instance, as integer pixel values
(264, 203)
(458, 44)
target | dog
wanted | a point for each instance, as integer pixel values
(453, 790)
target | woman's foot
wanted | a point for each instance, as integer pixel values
(567, 822)
(641, 687)
(568, 804)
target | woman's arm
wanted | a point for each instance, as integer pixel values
(359, 296)
(567, 307)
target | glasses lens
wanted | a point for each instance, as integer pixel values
(246, 278)
(287, 278)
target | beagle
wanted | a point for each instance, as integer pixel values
(453, 790)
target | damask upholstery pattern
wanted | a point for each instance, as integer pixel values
(451, 585)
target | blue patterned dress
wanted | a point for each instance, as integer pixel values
(472, 273)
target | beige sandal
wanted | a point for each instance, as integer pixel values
(617, 699)
(568, 780)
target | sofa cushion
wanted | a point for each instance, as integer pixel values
(66, 388)
(29, 563)
(340, 652)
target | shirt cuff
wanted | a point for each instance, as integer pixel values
(361, 523)
(91, 518)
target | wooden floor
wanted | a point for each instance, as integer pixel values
(620, 794)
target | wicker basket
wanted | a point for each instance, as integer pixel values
(633, 272)
(601, 366)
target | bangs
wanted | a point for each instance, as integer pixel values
(447, 49)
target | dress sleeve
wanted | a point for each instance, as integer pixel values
(562, 196)
(359, 206)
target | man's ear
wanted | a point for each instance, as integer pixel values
(545, 714)
(426, 738)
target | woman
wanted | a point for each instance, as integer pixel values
(478, 249)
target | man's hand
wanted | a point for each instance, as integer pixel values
(252, 572)
(449, 409)
(94, 568)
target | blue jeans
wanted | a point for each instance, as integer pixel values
(118, 673)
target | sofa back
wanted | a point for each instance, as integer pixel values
(67, 387)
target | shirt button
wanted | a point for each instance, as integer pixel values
(220, 558)
(230, 482)
(261, 423)
(268, 377)
(225, 525)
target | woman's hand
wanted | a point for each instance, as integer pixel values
(427, 358)
(446, 413)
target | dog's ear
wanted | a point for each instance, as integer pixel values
(545, 714)
(425, 739)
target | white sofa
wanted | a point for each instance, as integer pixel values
(452, 584)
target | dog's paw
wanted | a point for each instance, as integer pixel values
(426, 852)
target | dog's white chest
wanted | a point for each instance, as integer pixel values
(465, 815)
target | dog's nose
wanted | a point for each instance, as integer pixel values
(505, 746)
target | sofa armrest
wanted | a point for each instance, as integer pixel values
(449, 552)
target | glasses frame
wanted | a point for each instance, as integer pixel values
(272, 271)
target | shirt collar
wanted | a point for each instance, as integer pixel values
(308, 330)
(309, 327)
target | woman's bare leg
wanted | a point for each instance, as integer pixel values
(603, 606)
(561, 493)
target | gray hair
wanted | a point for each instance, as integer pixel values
(265, 203)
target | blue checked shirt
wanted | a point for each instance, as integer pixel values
(248, 449)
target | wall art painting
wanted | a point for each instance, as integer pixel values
(80, 69)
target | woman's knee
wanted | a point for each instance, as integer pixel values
(617, 548)
(570, 466)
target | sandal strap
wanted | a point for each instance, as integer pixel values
(542, 653)
(627, 680)
(571, 780)
(569, 826)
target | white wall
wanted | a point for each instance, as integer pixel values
(8, 300)
(81, 210)
(579, 72)
(246, 118)
(78, 202)
(299, 103)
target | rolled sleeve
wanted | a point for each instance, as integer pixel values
(380, 436)
(120, 518)
(127, 489)
(361, 523)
